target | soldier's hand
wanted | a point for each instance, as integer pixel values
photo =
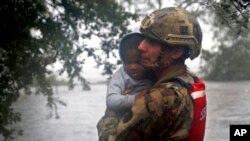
(146, 105)
(138, 112)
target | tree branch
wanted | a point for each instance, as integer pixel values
(239, 9)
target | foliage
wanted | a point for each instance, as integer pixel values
(231, 30)
(230, 63)
(227, 60)
(37, 33)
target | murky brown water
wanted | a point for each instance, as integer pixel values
(228, 103)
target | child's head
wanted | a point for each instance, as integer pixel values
(131, 56)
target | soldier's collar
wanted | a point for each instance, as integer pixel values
(169, 72)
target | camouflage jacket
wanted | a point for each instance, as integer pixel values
(165, 113)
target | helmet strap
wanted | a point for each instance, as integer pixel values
(156, 64)
(167, 63)
(159, 64)
(162, 52)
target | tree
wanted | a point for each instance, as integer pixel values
(227, 60)
(38, 33)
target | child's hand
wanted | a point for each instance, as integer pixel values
(128, 91)
(142, 93)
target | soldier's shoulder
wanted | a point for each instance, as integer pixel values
(169, 85)
(171, 88)
(178, 82)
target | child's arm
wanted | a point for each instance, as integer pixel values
(115, 99)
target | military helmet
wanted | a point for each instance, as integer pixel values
(174, 26)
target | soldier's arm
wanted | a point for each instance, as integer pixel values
(164, 112)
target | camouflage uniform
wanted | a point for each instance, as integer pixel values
(164, 114)
(107, 126)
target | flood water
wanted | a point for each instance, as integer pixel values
(228, 103)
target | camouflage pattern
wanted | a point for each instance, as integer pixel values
(163, 114)
(107, 126)
(174, 26)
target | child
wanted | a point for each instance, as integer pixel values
(125, 84)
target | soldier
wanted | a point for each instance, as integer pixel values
(175, 108)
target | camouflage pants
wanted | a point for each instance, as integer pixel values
(107, 126)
